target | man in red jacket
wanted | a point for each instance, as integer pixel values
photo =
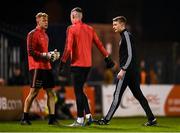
(40, 68)
(79, 42)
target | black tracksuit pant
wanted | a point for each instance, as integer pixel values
(130, 79)
(79, 76)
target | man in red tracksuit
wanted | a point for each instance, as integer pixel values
(79, 42)
(40, 68)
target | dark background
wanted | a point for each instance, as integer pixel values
(155, 24)
(155, 19)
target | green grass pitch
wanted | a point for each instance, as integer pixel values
(128, 124)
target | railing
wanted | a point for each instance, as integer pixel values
(3, 57)
(156, 55)
(9, 56)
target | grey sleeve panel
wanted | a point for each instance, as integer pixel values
(129, 49)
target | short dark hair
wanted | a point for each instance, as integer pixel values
(120, 19)
(77, 9)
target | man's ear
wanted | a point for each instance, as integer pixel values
(73, 16)
(37, 20)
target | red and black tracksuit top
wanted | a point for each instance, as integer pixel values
(79, 42)
(37, 43)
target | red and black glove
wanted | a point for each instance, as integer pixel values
(62, 66)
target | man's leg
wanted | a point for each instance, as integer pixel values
(86, 104)
(78, 88)
(50, 101)
(134, 86)
(120, 88)
(78, 82)
(84, 74)
(35, 83)
(28, 102)
(51, 106)
(48, 85)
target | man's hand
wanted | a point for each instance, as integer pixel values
(121, 74)
(52, 55)
(57, 54)
(109, 62)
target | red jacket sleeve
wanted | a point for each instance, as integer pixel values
(32, 41)
(68, 45)
(99, 45)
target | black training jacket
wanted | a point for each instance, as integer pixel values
(126, 50)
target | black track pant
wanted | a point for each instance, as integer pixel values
(130, 79)
(79, 76)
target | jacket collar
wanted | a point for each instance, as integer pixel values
(123, 31)
(40, 29)
(78, 22)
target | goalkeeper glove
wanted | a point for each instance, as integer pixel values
(55, 55)
(52, 55)
(48, 56)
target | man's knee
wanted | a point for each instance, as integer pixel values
(80, 99)
(50, 93)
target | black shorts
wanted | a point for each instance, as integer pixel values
(40, 78)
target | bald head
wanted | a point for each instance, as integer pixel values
(76, 14)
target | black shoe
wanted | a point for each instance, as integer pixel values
(53, 122)
(102, 121)
(151, 123)
(25, 122)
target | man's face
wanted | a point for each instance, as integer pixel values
(117, 26)
(43, 22)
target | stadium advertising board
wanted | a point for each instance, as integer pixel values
(12, 100)
(164, 100)
(39, 105)
(10, 103)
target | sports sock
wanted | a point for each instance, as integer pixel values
(80, 119)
